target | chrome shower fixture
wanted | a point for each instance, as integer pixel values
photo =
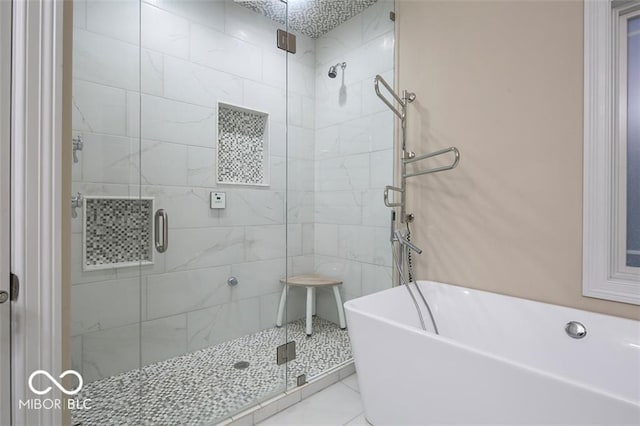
(333, 69)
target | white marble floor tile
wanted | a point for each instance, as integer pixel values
(336, 405)
(352, 382)
(358, 421)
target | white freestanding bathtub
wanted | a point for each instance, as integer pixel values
(497, 360)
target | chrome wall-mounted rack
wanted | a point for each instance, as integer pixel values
(408, 157)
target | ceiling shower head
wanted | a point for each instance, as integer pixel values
(333, 73)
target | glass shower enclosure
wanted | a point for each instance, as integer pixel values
(209, 166)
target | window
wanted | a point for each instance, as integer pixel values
(611, 253)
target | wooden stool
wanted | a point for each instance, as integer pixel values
(311, 282)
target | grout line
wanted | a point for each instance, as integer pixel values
(353, 418)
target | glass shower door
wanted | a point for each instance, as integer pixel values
(179, 188)
(212, 169)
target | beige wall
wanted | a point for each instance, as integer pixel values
(502, 81)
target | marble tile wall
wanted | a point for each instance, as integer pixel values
(147, 78)
(353, 157)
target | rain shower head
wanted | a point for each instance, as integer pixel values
(333, 72)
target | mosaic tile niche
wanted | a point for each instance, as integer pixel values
(117, 232)
(243, 146)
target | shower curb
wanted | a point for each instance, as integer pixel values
(268, 408)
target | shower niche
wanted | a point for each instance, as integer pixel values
(242, 146)
(117, 232)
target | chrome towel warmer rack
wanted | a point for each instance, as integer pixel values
(408, 157)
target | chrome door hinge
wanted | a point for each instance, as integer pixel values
(14, 287)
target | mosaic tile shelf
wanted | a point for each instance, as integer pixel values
(243, 155)
(117, 232)
(203, 387)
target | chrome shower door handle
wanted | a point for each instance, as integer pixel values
(161, 241)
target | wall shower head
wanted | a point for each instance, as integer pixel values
(333, 73)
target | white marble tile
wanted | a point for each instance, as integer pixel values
(180, 292)
(364, 62)
(152, 72)
(274, 68)
(132, 122)
(224, 53)
(252, 27)
(201, 166)
(278, 174)
(326, 239)
(300, 207)
(220, 323)
(337, 103)
(374, 212)
(76, 353)
(205, 247)
(271, 407)
(365, 134)
(173, 121)
(364, 244)
(188, 207)
(105, 60)
(164, 32)
(115, 19)
(376, 20)
(334, 405)
(265, 242)
(80, 14)
(267, 99)
(246, 207)
(294, 239)
(343, 207)
(343, 173)
(381, 247)
(210, 13)
(296, 302)
(301, 143)
(163, 163)
(200, 85)
(308, 118)
(359, 420)
(305, 49)
(349, 272)
(109, 159)
(301, 79)
(102, 305)
(295, 116)
(381, 169)
(340, 40)
(375, 278)
(319, 384)
(98, 108)
(301, 264)
(110, 352)
(164, 338)
(278, 138)
(257, 278)
(301, 174)
(308, 236)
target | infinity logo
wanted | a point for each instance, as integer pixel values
(55, 382)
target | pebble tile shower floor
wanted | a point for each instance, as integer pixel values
(203, 387)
